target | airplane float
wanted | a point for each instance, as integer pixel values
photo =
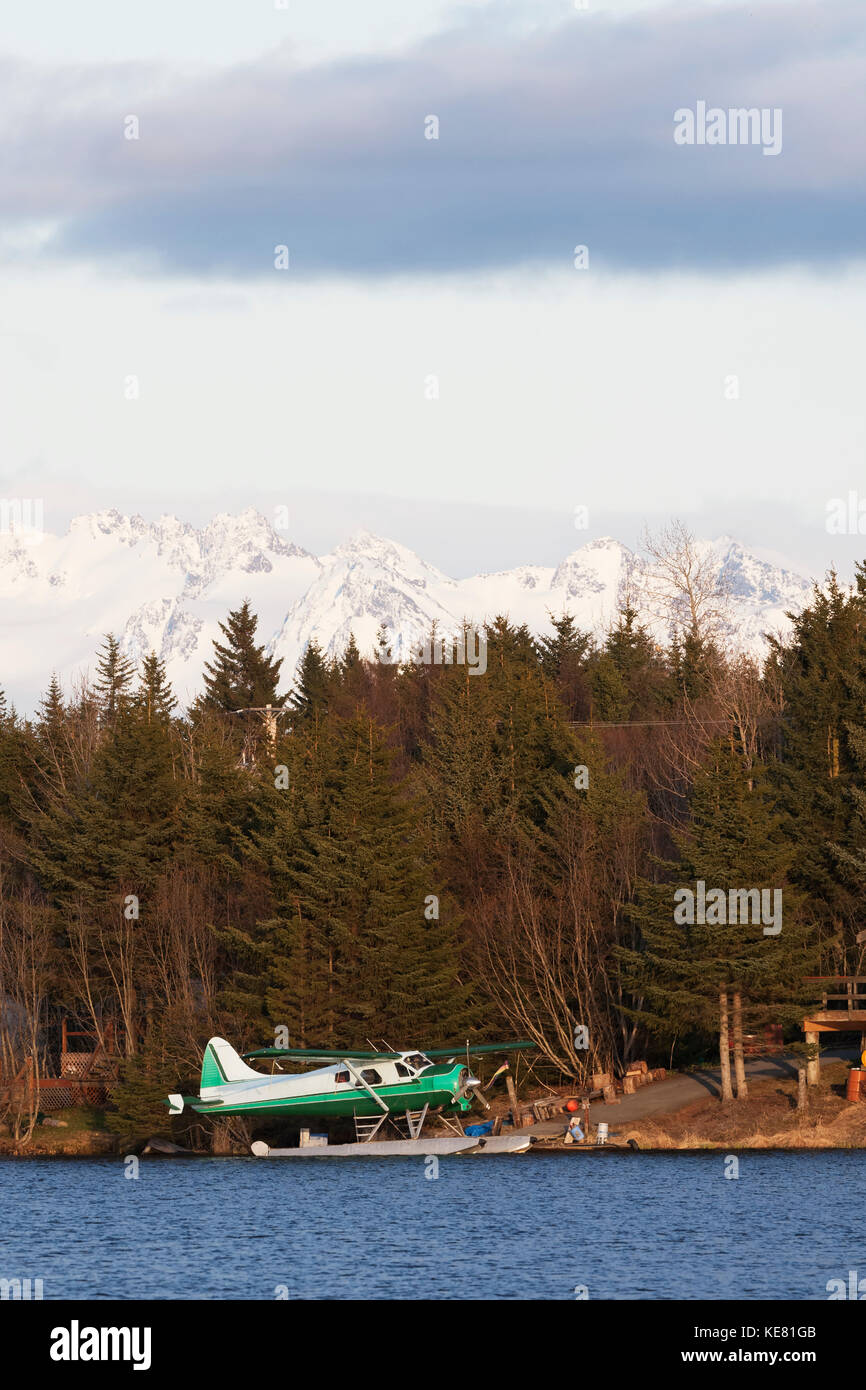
(369, 1087)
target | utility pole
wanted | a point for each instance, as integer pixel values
(269, 715)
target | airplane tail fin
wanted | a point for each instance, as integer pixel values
(221, 1064)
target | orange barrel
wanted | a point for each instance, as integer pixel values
(856, 1076)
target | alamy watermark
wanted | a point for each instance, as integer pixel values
(846, 516)
(23, 1289)
(854, 1288)
(736, 907)
(466, 648)
(738, 125)
(22, 517)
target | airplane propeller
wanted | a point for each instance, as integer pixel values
(470, 1085)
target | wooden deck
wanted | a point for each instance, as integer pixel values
(839, 1011)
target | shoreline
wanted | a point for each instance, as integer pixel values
(681, 1114)
(536, 1150)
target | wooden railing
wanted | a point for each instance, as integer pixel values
(49, 1093)
(852, 1001)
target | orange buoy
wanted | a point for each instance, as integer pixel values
(572, 1105)
(855, 1080)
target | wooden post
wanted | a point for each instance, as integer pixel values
(270, 728)
(802, 1094)
(512, 1096)
(813, 1065)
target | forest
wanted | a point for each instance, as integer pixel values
(418, 854)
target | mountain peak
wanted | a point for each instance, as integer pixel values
(166, 585)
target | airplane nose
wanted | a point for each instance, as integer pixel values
(470, 1082)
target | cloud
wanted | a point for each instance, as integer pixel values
(547, 139)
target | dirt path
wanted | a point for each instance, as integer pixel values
(664, 1097)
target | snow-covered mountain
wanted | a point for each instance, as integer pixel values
(165, 585)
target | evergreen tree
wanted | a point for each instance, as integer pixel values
(352, 949)
(851, 858)
(692, 658)
(563, 657)
(53, 752)
(51, 709)
(351, 656)
(314, 681)
(689, 972)
(821, 675)
(611, 701)
(641, 668)
(154, 693)
(114, 677)
(241, 675)
(14, 750)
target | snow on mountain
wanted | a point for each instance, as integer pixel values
(161, 586)
(365, 584)
(164, 586)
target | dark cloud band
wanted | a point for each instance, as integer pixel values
(544, 142)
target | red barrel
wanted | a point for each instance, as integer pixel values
(856, 1077)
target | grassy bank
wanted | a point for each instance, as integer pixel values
(82, 1133)
(768, 1119)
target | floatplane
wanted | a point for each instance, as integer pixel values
(368, 1087)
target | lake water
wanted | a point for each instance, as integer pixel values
(508, 1227)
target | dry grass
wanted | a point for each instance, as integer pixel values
(768, 1119)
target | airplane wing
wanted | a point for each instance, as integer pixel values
(322, 1057)
(311, 1054)
(479, 1049)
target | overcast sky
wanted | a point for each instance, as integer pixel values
(431, 364)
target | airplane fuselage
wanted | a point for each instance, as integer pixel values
(342, 1089)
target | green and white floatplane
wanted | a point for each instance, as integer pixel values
(368, 1087)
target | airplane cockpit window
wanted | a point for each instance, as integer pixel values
(417, 1060)
(341, 1077)
(371, 1076)
(402, 1070)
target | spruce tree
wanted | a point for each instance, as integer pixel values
(15, 754)
(821, 675)
(611, 701)
(563, 659)
(51, 709)
(351, 658)
(241, 675)
(354, 953)
(314, 682)
(641, 667)
(154, 692)
(114, 677)
(688, 972)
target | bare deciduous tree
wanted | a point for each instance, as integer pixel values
(685, 584)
